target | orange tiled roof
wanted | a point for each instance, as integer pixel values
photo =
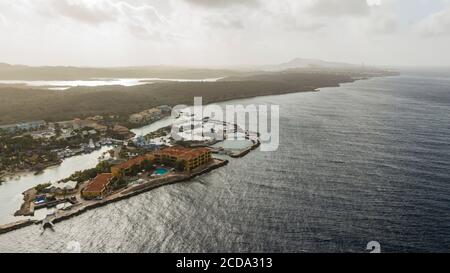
(99, 182)
(183, 153)
(131, 162)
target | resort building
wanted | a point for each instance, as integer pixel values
(192, 157)
(98, 186)
(120, 169)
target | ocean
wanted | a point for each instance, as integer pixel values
(367, 161)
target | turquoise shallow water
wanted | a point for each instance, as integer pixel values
(161, 171)
(366, 161)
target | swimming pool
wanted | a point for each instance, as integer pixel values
(161, 171)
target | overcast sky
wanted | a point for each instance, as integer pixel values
(223, 32)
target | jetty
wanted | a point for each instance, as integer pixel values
(16, 225)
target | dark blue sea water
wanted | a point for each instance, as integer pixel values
(366, 161)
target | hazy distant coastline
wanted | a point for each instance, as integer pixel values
(69, 73)
(22, 103)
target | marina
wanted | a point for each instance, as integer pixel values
(39, 209)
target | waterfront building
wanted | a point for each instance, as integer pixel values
(122, 131)
(77, 124)
(32, 125)
(143, 142)
(26, 126)
(136, 118)
(146, 116)
(47, 134)
(95, 118)
(98, 186)
(67, 134)
(165, 109)
(9, 128)
(99, 127)
(121, 169)
(192, 157)
(63, 188)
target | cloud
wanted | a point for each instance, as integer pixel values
(383, 24)
(436, 24)
(140, 20)
(99, 11)
(224, 22)
(94, 12)
(2, 20)
(373, 2)
(223, 3)
(302, 24)
(142, 32)
(329, 8)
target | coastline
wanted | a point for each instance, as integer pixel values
(280, 93)
(29, 170)
(121, 195)
(129, 100)
(17, 225)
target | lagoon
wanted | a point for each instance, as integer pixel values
(64, 85)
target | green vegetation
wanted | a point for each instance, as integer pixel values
(118, 183)
(162, 132)
(22, 152)
(41, 187)
(190, 143)
(85, 175)
(147, 165)
(180, 165)
(133, 170)
(122, 101)
(74, 141)
(103, 167)
(81, 176)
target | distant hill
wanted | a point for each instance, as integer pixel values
(300, 63)
(23, 72)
